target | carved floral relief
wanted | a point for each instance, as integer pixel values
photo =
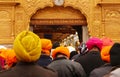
(111, 22)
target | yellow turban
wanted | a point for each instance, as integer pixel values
(27, 46)
(46, 46)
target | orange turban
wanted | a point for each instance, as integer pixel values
(46, 46)
(9, 56)
(62, 50)
(105, 53)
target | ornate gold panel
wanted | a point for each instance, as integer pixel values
(58, 16)
(6, 24)
(102, 16)
(111, 17)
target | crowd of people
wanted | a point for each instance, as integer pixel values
(32, 56)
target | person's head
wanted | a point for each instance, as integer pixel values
(107, 41)
(94, 44)
(27, 46)
(61, 52)
(10, 58)
(115, 54)
(46, 46)
(105, 53)
(73, 53)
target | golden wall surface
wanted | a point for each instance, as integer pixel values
(102, 16)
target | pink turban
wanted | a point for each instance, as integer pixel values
(94, 42)
(107, 41)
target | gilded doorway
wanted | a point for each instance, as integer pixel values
(57, 23)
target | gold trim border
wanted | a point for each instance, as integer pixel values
(14, 3)
(58, 22)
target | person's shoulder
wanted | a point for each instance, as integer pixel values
(115, 72)
(50, 71)
(4, 73)
(73, 63)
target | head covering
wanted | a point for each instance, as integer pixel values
(2, 59)
(107, 41)
(105, 53)
(62, 50)
(9, 56)
(92, 42)
(115, 54)
(46, 46)
(27, 46)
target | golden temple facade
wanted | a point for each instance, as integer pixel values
(102, 17)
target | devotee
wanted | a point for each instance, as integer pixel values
(114, 61)
(92, 59)
(45, 58)
(64, 66)
(7, 58)
(114, 73)
(105, 55)
(27, 47)
(104, 69)
(82, 51)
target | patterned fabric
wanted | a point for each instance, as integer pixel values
(27, 46)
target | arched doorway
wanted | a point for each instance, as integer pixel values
(57, 23)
